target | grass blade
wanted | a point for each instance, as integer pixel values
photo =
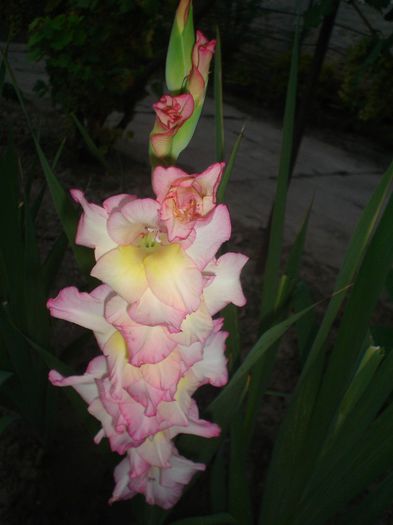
(3, 69)
(6, 421)
(53, 261)
(36, 204)
(389, 284)
(271, 274)
(219, 113)
(383, 336)
(58, 154)
(25, 397)
(11, 227)
(51, 361)
(229, 167)
(370, 457)
(67, 214)
(4, 375)
(289, 279)
(353, 329)
(239, 500)
(226, 404)
(372, 506)
(307, 326)
(351, 429)
(240, 505)
(218, 485)
(213, 519)
(361, 381)
(287, 475)
(37, 318)
(231, 325)
(221, 406)
(64, 207)
(91, 146)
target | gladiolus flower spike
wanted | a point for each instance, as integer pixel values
(153, 316)
(153, 321)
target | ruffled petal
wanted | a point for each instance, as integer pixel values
(212, 368)
(149, 310)
(122, 478)
(161, 486)
(195, 426)
(145, 344)
(174, 278)
(128, 418)
(181, 471)
(177, 229)
(156, 450)
(164, 375)
(190, 354)
(119, 440)
(132, 220)
(210, 234)
(207, 184)
(85, 384)
(83, 309)
(116, 352)
(225, 288)
(163, 178)
(123, 270)
(195, 327)
(144, 393)
(92, 231)
(117, 201)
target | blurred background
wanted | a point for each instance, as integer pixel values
(101, 56)
(108, 52)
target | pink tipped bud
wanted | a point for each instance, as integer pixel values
(202, 54)
(171, 113)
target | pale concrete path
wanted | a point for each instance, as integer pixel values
(340, 181)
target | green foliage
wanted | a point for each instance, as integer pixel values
(23, 298)
(327, 383)
(367, 80)
(379, 4)
(178, 59)
(18, 14)
(235, 18)
(314, 15)
(25, 342)
(6, 421)
(212, 519)
(98, 55)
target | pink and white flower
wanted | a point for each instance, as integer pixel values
(161, 484)
(202, 54)
(163, 283)
(153, 321)
(185, 199)
(171, 114)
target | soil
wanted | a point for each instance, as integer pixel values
(70, 480)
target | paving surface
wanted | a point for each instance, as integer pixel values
(340, 177)
(276, 23)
